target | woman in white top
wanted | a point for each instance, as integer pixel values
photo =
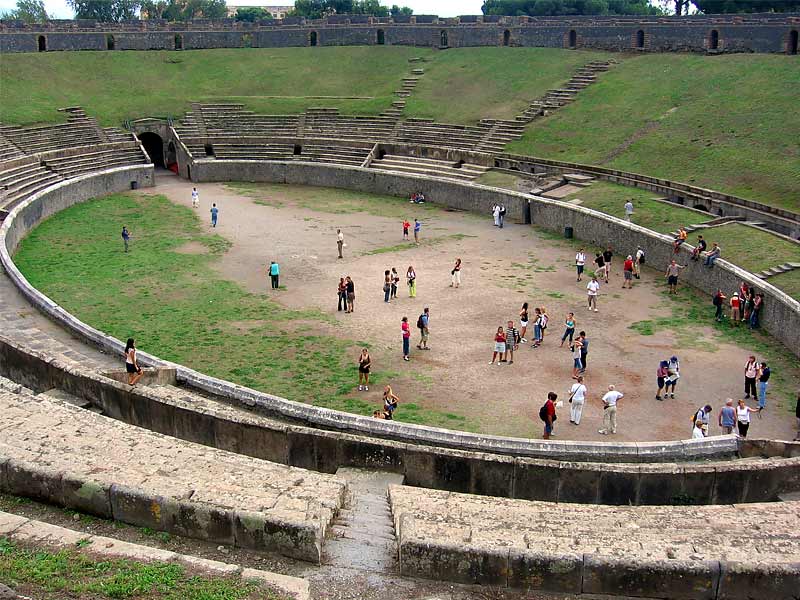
(697, 432)
(743, 417)
(577, 397)
(131, 366)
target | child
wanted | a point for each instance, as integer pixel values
(406, 226)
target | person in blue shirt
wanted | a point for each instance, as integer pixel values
(214, 213)
(417, 229)
(274, 274)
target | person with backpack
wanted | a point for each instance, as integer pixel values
(548, 414)
(512, 342)
(577, 364)
(577, 398)
(702, 415)
(718, 300)
(673, 374)
(422, 325)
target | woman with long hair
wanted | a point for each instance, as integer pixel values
(135, 372)
(411, 279)
(523, 322)
(455, 274)
(499, 345)
(390, 402)
(364, 364)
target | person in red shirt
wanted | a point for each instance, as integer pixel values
(406, 225)
(548, 414)
(499, 345)
(736, 305)
(406, 329)
(627, 269)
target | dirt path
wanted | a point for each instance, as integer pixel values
(502, 269)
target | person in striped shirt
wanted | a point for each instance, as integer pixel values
(512, 341)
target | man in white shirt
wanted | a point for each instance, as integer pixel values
(340, 241)
(577, 397)
(580, 261)
(195, 198)
(496, 215)
(628, 210)
(592, 288)
(610, 400)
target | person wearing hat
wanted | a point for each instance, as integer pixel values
(736, 305)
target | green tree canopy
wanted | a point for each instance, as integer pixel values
(710, 7)
(252, 14)
(30, 11)
(316, 9)
(568, 7)
(105, 10)
(183, 10)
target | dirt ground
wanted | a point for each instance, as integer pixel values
(502, 268)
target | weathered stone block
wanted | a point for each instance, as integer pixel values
(32, 481)
(257, 531)
(745, 581)
(536, 479)
(529, 569)
(618, 484)
(457, 563)
(198, 521)
(86, 496)
(577, 483)
(137, 507)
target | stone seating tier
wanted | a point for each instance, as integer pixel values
(19, 182)
(72, 166)
(427, 167)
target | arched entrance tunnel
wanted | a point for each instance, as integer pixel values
(154, 146)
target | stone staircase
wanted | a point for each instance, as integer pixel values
(777, 270)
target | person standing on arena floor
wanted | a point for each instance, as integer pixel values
(417, 229)
(629, 211)
(672, 276)
(673, 374)
(610, 399)
(764, 374)
(537, 328)
(274, 274)
(569, 329)
(395, 280)
(423, 324)
(661, 378)
(195, 198)
(496, 215)
(718, 300)
(638, 262)
(592, 289)
(758, 303)
(499, 346)
(600, 271)
(697, 430)
(342, 295)
(523, 322)
(364, 365)
(512, 341)
(736, 304)
(411, 280)
(577, 398)
(545, 320)
(749, 301)
(406, 226)
(627, 269)
(608, 254)
(577, 357)
(126, 237)
(727, 417)
(702, 415)
(351, 294)
(580, 262)
(455, 274)
(340, 242)
(584, 350)
(548, 414)
(214, 214)
(406, 331)
(387, 285)
(502, 218)
(750, 374)
(743, 417)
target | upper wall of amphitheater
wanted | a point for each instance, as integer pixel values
(763, 33)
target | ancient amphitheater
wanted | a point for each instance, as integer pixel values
(210, 460)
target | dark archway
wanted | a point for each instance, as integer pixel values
(178, 41)
(792, 47)
(640, 39)
(443, 39)
(172, 157)
(312, 38)
(573, 39)
(381, 37)
(700, 207)
(154, 146)
(111, 43)
(506, 38)
(42, 44)
(713, 40)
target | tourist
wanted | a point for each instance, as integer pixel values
(718, 300)
(661, 377)
(577, 398)
(743, 417)
(406, 331)
(610, 400)
(132, 367)
(342, 295)
(584, 350)
(569, 329)
(406, 226)
(629, 211)
(712, 256)
(274, 274)
(126, 237)
(379, 414)
(395, 280)
(351, 294)
(697, 431)
(593, 287)
(750, 374)
(600, 271)
(700, 247)
(672, 276)
(735, 309)
(417, 229)
(499, 346)
(743, 290)
(702, 415)
(411, 281)
(537, 328)
(580, 262)
(195, 198)
(502, 215)
(758, 304)
(640, 260)
(608, 254)
(390, 402)
(749, 302)
(496, 215)
(340, 242)
(548, 414)
(523, 322)
(544, 321)
(214, 214)
(727, 417)
(423, 323)
(512, 342)
(455, 274)
(627, 270)
(577, 357)
(673, 374)
(679, 239)
(387, 285)
(364, 364)
(764, 374)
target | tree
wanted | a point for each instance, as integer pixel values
(316, 9)
(183, 10)
(252, 14)
(569, 7)
(403, 11)
(105, 10)
(710, 7)
(29, 11)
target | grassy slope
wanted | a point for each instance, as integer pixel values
(115, 86)
(735, 124)
(177, 307)
(466, 84)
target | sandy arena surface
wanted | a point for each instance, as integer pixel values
(501, 270)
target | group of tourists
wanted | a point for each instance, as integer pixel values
(730, 417)
(391, 281)
(499, 215)
(417, 230)
(745, 303)
(577, 399)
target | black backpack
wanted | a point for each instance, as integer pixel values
(420, 322)
(543, 413)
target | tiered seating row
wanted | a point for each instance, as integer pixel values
(79, 164)
(21, 180)
(8, 150)
(276, 151)
(428, 167)
(79, 130)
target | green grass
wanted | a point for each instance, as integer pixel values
(178, 308)
(610, 198)
(506, 181)
(751, 248)
(464, 85)
(70, 572)
(114, 86)
(727, 122)
(788, 282)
